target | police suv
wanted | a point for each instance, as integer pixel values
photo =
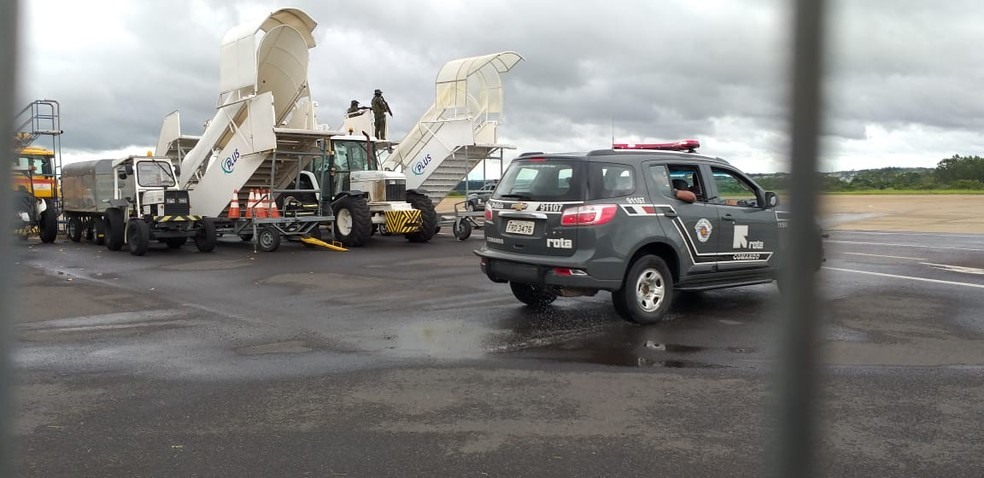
(640, 221)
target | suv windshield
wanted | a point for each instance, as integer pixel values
(153, 174)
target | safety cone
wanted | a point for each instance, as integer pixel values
(274, 210)
(261, 207)
(234, 205)
(250, 203)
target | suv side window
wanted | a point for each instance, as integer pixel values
(734, 190)
(607, 180)
(662, 179)
(687, 178)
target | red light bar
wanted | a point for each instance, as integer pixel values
(688, 145)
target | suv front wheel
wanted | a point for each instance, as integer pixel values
(646, 294)
(533, 295)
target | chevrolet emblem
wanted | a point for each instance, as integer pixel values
(520, 206)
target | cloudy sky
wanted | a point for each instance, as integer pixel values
(903, 87)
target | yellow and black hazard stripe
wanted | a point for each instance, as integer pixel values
(177, 218)
(27, 231)
(403, 222)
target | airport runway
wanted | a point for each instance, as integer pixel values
(401, 359)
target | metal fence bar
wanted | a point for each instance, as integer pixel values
(798, 367)
(8, 80)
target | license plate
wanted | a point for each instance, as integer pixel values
(520, 227)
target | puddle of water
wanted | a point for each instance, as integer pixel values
(616, 359)
(288, 347)
(672, 348)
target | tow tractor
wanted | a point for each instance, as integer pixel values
(131, 201)
(366, 199)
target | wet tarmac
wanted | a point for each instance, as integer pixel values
(408, 350)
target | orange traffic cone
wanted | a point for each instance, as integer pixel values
(234, 205)
(261, 207)
(250, 203)
(274, 211)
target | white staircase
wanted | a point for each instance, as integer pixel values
(459, 130)
(264, 128)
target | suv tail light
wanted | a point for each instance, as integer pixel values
(593, 215)
(488, 213)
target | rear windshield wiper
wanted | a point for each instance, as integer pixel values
(515, 196)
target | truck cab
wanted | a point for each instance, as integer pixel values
(35, 184)
(148, 185)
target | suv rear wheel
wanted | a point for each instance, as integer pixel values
(647, 292)
(533, 295)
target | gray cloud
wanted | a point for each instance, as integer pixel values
(660, 70)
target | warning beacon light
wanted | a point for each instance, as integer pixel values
(687, 145)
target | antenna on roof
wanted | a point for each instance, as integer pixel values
(613, 131)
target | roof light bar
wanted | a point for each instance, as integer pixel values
(688, 145)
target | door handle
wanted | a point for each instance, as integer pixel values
(670, 214)
(728, 217)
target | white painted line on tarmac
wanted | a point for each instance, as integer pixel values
(941, 234)
(889, 257)
(968, 249)
(952, 268)
(920, 279)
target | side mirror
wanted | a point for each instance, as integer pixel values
(121, 174)
(177, 170)
(686, 196)
(128, 168)
(771, 199)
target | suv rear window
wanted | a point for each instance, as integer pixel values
(607, 180)
(541, 181)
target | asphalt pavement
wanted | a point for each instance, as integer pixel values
(401, 359)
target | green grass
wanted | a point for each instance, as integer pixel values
(456, 194)
(907, 192)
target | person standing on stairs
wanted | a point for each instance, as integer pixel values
(379, 109)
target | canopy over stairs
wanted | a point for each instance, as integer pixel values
(459, 130)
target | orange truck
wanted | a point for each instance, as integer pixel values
(35, 171)
(36, 188)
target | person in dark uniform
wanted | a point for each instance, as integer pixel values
(354, 108)
(379, 109)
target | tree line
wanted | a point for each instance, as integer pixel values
(957, 172)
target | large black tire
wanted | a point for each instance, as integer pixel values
(268, 239)
(646, 293)
(175, 242)
(462, 229)
(353, 225)
(114, 229)
(48, 224)
(73, 229)
(428, 218)
(138, 237)
(206, 238)
(536, 296)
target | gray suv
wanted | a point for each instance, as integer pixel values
(641, 221)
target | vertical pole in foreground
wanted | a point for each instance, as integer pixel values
(798, 366)
(8, 80)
